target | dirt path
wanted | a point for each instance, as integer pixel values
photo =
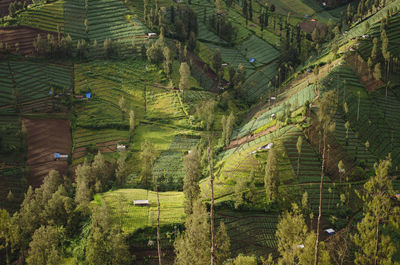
(46, 137)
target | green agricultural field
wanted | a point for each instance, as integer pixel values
(239, 162)
(393, 34)
(251, 233)
(46, 17)
(12, 180)
(105, 19)
(27, 85)
(135, 217)
(261, 51)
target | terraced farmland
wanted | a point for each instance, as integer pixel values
(27, 86)
(135, 217)
(106, 19)
(250, 232)
(264, 117)
(261, 51)
(45, 17)
(169, 168)
(21, 37)
(14, 180)
(310, 165)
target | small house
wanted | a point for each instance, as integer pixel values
(273, 116)
(330, 231)
(365, 36)
(141, 202)
(88, 95)
(151, 35)
(252, 60)
(121, 147)
(398, 196)
(224, 65)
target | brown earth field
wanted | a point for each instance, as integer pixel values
(22, 35)
(44, 138)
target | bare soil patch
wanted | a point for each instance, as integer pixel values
(22, 35)
(46, 137)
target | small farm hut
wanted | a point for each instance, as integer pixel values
(88, 95)
(151, 35)
(121, 147)
(58, 156)
(330, 231)
(141, 202)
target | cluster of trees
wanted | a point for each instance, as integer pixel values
(16, 6)
(98, 176)
(49, 217)
(223, 28)
(179, 22)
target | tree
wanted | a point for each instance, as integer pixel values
(243, 260)
(98, 240)
(155, 53)
(377, 71)
(372, 244)
(44, 247)
(5, 232)
(222, 244)
(205, 112)
(210, 166)
(193, 246)
(123, 106)
(227, 128)
(131, 121)
(108, 48)
(217, 60)
(119, 250)
(191, 187)
(326, 109)
(147, 157)
(271, 179)
(298, 146)
(184, 81)
(99, 172)
(168, 61)
(83, 193)
(121, 172)
(291, 233)
(218, 5)
(245, 190)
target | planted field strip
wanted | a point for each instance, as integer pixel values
(238, 163)
(136, 217)
(33, 83)
(14, 180)
(233, 57)
(46, 17)
(261, 51)
(23, 36)
(353, 146)
(393, 34)
(169, 168)
(249, 233)
(11, 146)
(359, 28)
(7, 96)
(298, 99)
(330, 197)
(310, 165)
(163, 105)
(257, 85)
(109, 82)
(44, 138)
(106, 19)
(371, 125)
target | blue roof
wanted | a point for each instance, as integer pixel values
(56, 155)
(88, 95)
(252, 60)
(50, 93)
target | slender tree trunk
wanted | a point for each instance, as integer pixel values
(158, 224)
(320, 201)
(298, 164)
(212, 205)
(377, 241)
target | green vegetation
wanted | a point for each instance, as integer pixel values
(135, 217)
